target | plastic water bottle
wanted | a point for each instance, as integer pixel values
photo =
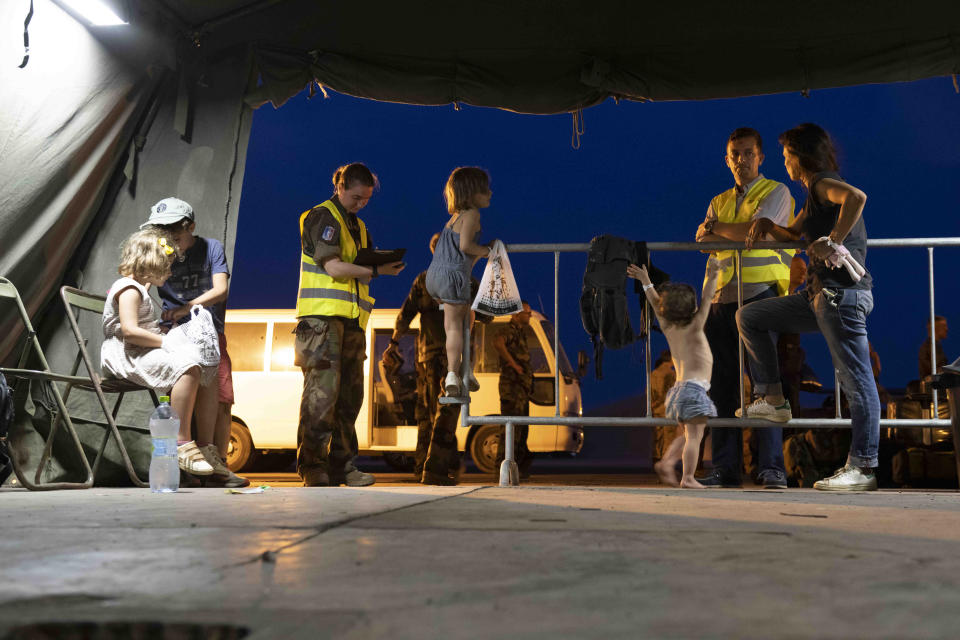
(164, 468)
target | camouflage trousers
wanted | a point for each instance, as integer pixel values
(330, 352)
(815, 454)
(430, 375)
(515, 402)
(662, 437)
(442, 456)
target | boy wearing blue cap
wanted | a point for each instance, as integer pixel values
(199, 276)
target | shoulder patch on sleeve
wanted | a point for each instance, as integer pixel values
(328, 232)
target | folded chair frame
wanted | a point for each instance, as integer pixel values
(46, 376)
(74, 299)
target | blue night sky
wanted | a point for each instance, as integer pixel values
(644, 171)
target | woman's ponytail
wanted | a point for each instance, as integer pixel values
(352, 174)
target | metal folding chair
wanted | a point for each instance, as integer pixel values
(46, 376)
(75, 300)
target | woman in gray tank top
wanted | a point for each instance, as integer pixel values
(448, 277)
(836, 302)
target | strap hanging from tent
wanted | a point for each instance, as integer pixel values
(26, 37)
(577, 128)
(314, 85)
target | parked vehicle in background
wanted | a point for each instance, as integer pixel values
(267, 388)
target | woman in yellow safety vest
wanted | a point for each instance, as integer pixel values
(333, 306)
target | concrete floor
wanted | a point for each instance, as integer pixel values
(484, 562)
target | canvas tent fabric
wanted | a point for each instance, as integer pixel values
(550, 57)
(103, 122)
(88, 142)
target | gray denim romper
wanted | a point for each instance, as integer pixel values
(448, 277)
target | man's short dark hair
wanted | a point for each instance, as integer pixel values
(746, 132)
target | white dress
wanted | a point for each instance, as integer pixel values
(147, 366)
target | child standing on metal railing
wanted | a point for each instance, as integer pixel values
(675, 306)
(448, 277)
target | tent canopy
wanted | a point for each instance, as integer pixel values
(548, 57)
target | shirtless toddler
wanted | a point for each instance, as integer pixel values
(687, 401)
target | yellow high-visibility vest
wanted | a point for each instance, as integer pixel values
(757, 265)
(320, 294)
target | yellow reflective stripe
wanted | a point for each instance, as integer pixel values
(783, 256)
(324, 293)
(312, 267)
(749, 262)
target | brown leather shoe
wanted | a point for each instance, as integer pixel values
(315, 478)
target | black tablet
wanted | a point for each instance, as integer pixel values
(370, 257)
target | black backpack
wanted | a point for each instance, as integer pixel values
(603, 302)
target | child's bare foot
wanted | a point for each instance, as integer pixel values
(667, 472)
(691, 483)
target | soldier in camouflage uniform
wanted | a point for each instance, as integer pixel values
(662, 378)
(431, 363)
(516, 383)
(331, 357)
(333, 305)
(815, 454)
(442, 463)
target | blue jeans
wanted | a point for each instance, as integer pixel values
(727, 442)
(841, 316)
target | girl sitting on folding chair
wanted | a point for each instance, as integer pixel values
(133, 346)
(448, 277)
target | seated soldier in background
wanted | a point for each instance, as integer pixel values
(662, 378)
(431, 362)
(923, 359)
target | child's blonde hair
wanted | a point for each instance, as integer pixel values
(462, 187)
(146, 254)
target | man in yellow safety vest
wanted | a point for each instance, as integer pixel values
(333, 306)
(764, 273)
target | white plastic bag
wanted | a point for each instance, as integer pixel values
(498, 294)
(199, 334)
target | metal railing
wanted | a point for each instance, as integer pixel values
(508, 470)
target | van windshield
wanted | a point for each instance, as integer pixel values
(548, 330)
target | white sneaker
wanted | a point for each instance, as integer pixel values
(472, 383)
(192, 461)
(848, 479)
(451, 384)
(763, 410)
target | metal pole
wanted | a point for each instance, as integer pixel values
(648, 359)
(598, 421)
(873, 243)
(466, 368)
(933, 332)
(509, 473)
(836, 392)
(556, 331)
(743, 409)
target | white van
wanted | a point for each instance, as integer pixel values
(267, 388)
